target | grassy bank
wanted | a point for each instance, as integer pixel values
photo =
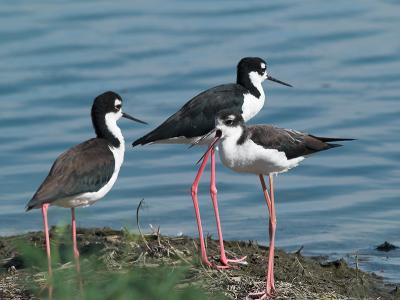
(122, 265)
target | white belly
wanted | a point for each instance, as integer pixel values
(252, 158)
(86, 199)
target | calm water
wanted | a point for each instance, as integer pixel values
(342, 58)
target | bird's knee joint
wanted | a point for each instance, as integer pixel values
(194, 190)
(213, 190)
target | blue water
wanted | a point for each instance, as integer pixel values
(342, 58)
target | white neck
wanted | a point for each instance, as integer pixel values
(252, 105)
(231, 134)
(111, 123)
(256, 80)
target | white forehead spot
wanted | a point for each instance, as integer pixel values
(262, 66)
(231, 117)
(117, 102)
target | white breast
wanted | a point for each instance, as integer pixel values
(252, 105)
(252, 158)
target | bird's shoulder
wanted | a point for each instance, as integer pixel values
(83, 168)
(270, 136)
(84, 156)
(219, 96)
(294, 143)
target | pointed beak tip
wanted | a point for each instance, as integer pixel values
(278, 81)
(127, 116)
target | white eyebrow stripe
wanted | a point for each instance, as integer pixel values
(117, 102)
(262, 66)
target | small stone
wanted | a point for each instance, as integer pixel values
(12, 270)
(386, 247)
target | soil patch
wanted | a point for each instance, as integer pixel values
(297, 277)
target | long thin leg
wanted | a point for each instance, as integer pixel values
(75, 249)
(272, 225)
(197, 210)
(270, 284)
(213, 191)
(75, 244)
(45, 207)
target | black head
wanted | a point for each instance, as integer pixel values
(252, 64)
(251, 72)
(106, 103)
(229, 118)
(228, 123)
(106, 111)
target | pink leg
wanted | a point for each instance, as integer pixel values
(272, 224)
(75, 244)
(270, 283)
(195, 185)
(75, 249)
(45, 207)
(213, 192)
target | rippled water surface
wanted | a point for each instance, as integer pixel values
(342, 58)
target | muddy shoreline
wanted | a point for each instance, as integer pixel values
(297, 277)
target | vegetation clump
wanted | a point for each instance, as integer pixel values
(118, 264)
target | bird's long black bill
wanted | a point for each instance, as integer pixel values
(278, 81)
(216, 139)
(125, 115)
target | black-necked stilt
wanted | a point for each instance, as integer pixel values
(264, 150)
(197, 118)
(86, 172)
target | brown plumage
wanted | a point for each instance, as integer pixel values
(293, 143)
(83, 168)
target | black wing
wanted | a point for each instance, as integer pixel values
(293, 143)
(83, 168)
(197, 117)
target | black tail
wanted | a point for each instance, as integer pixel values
(140, 141)
(152, 136)
(327, 140)
(333, 145)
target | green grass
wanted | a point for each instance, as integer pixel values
(100, 280)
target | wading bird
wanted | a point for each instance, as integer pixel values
(86, 172)
(263, 150)
(197, 118)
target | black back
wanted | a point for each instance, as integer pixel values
(84, 168)
(197, 117)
